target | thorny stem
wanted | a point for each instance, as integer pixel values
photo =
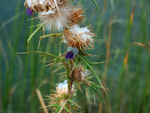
(71, 80)
(47, 54)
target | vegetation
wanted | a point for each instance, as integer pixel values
(122, 42)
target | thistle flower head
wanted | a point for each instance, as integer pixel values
(39, 5)
(73, 49)
(71, 53)
(30, 12)
(81, 38)
(56, 18)
(76, 17)
(55, 14)
(62, 88)
(61, 94)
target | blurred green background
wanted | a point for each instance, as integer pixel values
(123, 44)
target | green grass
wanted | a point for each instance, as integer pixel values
(129, 87)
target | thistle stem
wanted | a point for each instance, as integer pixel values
(70, 84)
(70, 78)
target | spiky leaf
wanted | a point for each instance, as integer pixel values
(99, 94)
(67, 109)
(57, 109)
(90, 67)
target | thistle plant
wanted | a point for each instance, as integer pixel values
(63, 17)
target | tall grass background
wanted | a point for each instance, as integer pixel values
(123, 44)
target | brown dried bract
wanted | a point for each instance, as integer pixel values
(44, 7)
(75, 40)
(77, 75)
(76, 17)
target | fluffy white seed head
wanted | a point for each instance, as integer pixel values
(84, 33)
(62, 88)
(43, 5)
(78, 37)
(56, 18)
(56, 14)
(32, 3)
(37, 3)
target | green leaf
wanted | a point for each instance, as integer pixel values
(94, 63)
(90, 67)
(54, 105)
(40, 27)
(85, 67)
(67, 109)
(60, 50)
(99, 94)
(74, 103)
(51, 35)
(58, 59)
(58, 98)
(45, 54)
(89, 77)
(57, 109)
(96, 6)
(40, 52)
(97, 86)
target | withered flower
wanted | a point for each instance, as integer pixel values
(39, 5)
(81, 38)
(56, 18)
(76, 16)
(80, 75)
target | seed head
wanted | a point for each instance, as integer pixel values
(55, 14)
(81, 38)
(62, 88)
(76, 17)
(62, 91)
(39, 5)
(80, 75)
(61, 94)
(56, 18)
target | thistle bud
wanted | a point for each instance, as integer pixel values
(80, 75)
(30, 12)
(71, 53)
